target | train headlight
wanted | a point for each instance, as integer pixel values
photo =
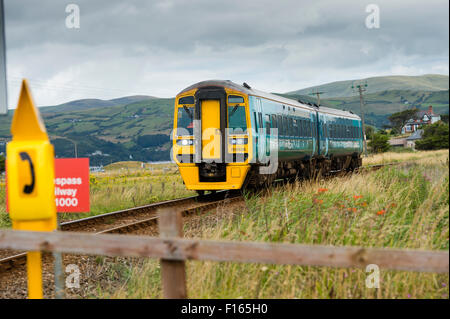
(238, 141)
(185, 142)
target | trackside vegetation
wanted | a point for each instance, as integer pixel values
(397, 207)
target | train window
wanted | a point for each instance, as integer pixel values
(236, 117)
(235, 99)
(186, 100)
(274, 121)
(285, 126)
(291, 131)
(267, 124)
(295, 128)
(280, 125)
(260, 122)
(185, 121)
(256, 122)
(308, 126)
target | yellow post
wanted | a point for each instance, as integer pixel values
(31, 174)
(34, 271)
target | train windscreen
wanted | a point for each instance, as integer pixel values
(185, 121)
(236, 118)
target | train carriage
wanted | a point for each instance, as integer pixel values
(225, 134)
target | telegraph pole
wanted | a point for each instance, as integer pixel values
(317, 93)
(362, 88)
(3, 88)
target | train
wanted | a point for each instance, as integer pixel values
(228, 136)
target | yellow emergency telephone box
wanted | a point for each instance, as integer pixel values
(30, 172)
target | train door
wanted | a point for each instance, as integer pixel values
(211, 133)
(262, 140)
(323, 144)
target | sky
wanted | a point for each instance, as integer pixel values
(159, 47)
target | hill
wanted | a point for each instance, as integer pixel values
(427, 82)
(85, 104)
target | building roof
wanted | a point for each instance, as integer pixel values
(417, 135)
(397, 141)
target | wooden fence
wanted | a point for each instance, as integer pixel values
(174, 251)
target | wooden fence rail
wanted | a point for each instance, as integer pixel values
(173, 251)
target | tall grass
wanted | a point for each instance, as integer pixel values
(401, 207)
(392, 157)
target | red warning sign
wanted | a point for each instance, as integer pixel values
(72, 185)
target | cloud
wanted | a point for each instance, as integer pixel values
(160, 47)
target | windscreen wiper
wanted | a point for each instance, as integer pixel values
(233, 110)
(186, 109)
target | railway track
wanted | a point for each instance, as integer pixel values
(129, 220)
(133, 219)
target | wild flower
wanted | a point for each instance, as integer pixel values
(357, 197)
(322, 190)
(381, 212)
(317, 201)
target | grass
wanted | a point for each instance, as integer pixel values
(397, 207)
(403, 156)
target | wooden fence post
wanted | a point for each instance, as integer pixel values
(173, 272)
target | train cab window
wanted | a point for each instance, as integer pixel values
(235, 99)
(236, 117)
(185, 121)
(186, 100)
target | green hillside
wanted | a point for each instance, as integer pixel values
(117, 131)
(427, 82)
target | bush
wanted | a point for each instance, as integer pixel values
(2, 163)
(379, 143)
(435, 137)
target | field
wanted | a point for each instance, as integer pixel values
(405, 206)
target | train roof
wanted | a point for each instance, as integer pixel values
(250, 91)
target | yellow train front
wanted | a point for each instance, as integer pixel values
(210, 136)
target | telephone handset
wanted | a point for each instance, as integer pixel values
(28, 189)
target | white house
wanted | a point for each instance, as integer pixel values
(423, 118)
